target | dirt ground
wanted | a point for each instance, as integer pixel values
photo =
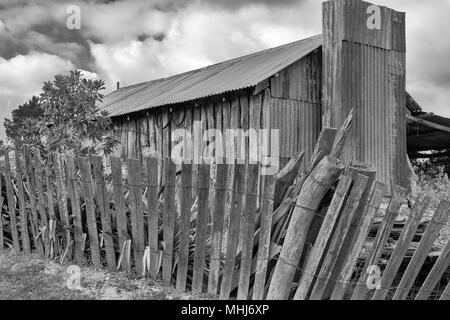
(29, 277)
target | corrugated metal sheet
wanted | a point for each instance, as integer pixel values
(299, 124)
(412, 105)
(231, 75)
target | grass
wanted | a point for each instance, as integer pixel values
(30, 277)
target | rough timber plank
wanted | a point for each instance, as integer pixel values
(361, 235)
(121, 211)
(31, 186)
(247, 231)
(325, 233)
(185, 225)
(220, 189)
(105, 213)
(136, 212)
(266, 212)
(11, 202)
(233, 231)
(401, 247)
(421, 253)
(22, 209)
(201, 224)
(88, 195)
(153, 213)
(170, 216)
(76, 209)
(384, 231)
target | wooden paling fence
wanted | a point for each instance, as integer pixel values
(223, 229)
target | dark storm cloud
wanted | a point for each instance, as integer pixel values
(40, 25)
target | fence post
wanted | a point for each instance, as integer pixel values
(51, 208)
(121, 211)
(233, 231)
(248, 231)
(41, 199)
(361, 235)
(426, 242)
(218, 216)
(87, 190)
(321, 289)
(61, 194)
(76, 209)
(384, 231)
(201, 224)
(264, 237)
(325, 233)
(11, 202)
(170, 216)
(185, 225)
(153, 213)
(401, 247)
(103, 206)
(136, 211)
(2, 239)
(31, 184)
(22, 210)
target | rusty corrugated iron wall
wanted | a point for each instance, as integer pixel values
(364, 69)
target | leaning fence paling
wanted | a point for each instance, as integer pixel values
(300, 234)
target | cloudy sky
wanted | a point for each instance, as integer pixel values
(137, 40)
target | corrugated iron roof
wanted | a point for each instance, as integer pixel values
(412, 105)
(235, 74)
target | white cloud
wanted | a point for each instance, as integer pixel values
(22, 77)
(194, 37)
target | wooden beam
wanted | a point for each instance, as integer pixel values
(428, 123)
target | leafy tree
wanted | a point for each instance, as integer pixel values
(70, 119)
(23, 127)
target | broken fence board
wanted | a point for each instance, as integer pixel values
(324, 283)
(315, 187)
(366, 221)
(325, 233)
(439, 267)
(431, 233)
(383, 233)
(401, 247)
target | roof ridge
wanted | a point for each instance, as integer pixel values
(283, 46)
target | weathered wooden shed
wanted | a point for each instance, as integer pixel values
(296, 88)
(279, 88)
